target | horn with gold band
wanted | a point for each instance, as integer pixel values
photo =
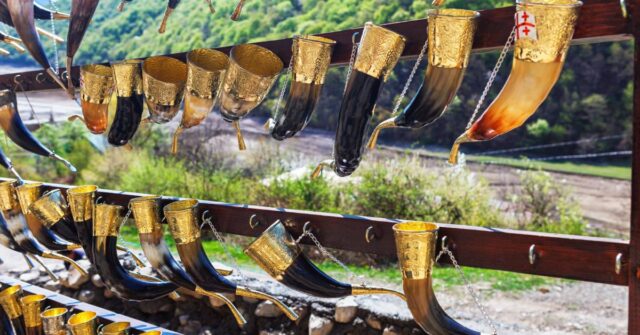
(183, 224)
(19, 230)
(146, 213)
(252, 72)
(205, 71)
(5, 17)
(96, 86)
(31, 309)
(278, 254)
(54, 321)
(163, 82)
(83, 323)
(450, 35)
(81, 14)
(5, 322)
(27, 194)
(378, 53)
(309, 66)
(127, 76)
(538, 58)
(106, 225)
(10, 302)
(52, 210)
(415, 245)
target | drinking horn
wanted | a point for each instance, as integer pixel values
(171, 6)
(378, 53)
(450, 39)
(53, 321)
(5, 323)
(12, 41)
(106, 225)
(17, 131)
(237, 11)
(116, 328)
(205, 71)
(146, 213)
(53, 212)
(81, 200)
(19, 230)
(310, 62)
(96, 87)
(9, 300)
(22, 16)
(42, 13)
(415, 245)
(81, 13)
(252, 72)
(543, 33)
(31, 308)
(27, 194)
(5, 17)
(6, 163)
(83, 323)
(184, 227)
(127, 76)
(163, 81)
(278, 254)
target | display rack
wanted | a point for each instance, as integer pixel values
(601, 260)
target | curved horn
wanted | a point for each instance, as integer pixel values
(81, 13)
(450, 38)
(163, 81)
(81, 200)
(205, 70)
(252, 72)
(278, 254)
(127, 76)
(83, 323)
(54, 321)
(537, 64)
(378, 53)
(183, 224)
(31, 307)
(171, 6)
(146, 212)
(310, 62)
(42, 13)
(53, 212)
(415, 244)
(9, 300)
(12, 41)
(105, 258)
(96, 88)
(17, 131)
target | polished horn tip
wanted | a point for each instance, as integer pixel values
(249, 293)
(66, 163)
(165, 18)
(453, 155)
(324, 164)
(237, 11)
(365, 290)
(437, 3)
(15, 173)
(241, 145)
(60, 16)
(389, 123)
(176, 138)
(51, 255)
(50, 35)
(268, 126)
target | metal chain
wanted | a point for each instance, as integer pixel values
(492, 77)
(284, 88)
(33, 111)
(351, 61)
(469, 288)
(413, 73)
(222, 241)
(56, 61)
(125, 219)
(351, 275)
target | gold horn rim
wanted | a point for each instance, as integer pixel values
(256, 60)
(116, 328)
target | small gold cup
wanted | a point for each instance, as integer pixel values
(9, 301)
(116, 328)
(252, 72)
(53, 321)
(31, 307)
(163, 82)
(50, 208)
(107, 220)
(96, 87)
(8, 199)
(81, 199)
(83, 323)
(206, 69)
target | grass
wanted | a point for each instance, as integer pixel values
(444, 276)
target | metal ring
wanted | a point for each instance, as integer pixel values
(306, 228)
(444, 242)
(64, 75)
(623, 7)
(16, 81)
(38, 76)
(204, 214)
(618, 267)
(253, 224)
(369, 234)
(532, 254)
(98, 200)
(353, 37)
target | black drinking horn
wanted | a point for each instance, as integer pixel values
(9, 300)
(31, 309)
(171, 5)
(19, 230)
(309, 65)
(53, 212)
(146, 212)
(22, 16)
(378, 53)
(42, 13)
(106, 225)
(183, 224)
(81, 13)
(130, 101)
(5, 322)
(450, 39)
(12, 41)
(278, 254)
(13, 126)
(5, 18)
(27, 194)
(6, 163)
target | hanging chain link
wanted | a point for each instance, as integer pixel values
(33, 115)
(208, 221)
(351, 61)
(470, 290)
(492, 77)
(284, 87)
(122, 241)
(56, 61)
(410, 79)
(351, 275)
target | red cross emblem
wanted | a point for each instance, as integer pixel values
(526, 25)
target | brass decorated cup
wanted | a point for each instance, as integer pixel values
(116, 328)
(163, 82)
(9, 301)
(54, 321)
(83, 323)
(252, 72)
(31, 307)
(205, 71)
(96, 88)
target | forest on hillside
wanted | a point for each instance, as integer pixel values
(592, 98)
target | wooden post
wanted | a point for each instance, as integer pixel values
(634, 241)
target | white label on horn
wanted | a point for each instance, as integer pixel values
(526, 25)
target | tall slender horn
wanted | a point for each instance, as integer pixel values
(83, 323)
(278, 254)
(146, 212)
(378, 53)
(127, 76)
(106, 225)
(181, 216)
(450, 39)
(96, 88)
(53, 321)
(538, 57)
(81, 13)
(415, 244)
(163, 82)
(31, 307)
(81, 201)
(9, 300)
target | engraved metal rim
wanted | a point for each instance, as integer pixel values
(454, 13)
(82, 189)
(275, 58)
(415, 227)
(181, 206)
(316, 39)
(145, 198)
(10, 291)
(32, 298)
(371, 25)
(116, 327)
(30, 185)
(167, 60)
(53, 312)
(542, 4)
(97, 70)
(80, 318)
(212, 52)
(265, 233)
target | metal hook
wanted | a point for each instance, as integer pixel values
(618, 263)
(65, 75)
(623, 7)
(16, 81)
(369, 234)
(98, 200)
(253, 224)
(444, 243)
(203, 216)
(306, 229)
(39, 79)
(532, 254)
(353, 37)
